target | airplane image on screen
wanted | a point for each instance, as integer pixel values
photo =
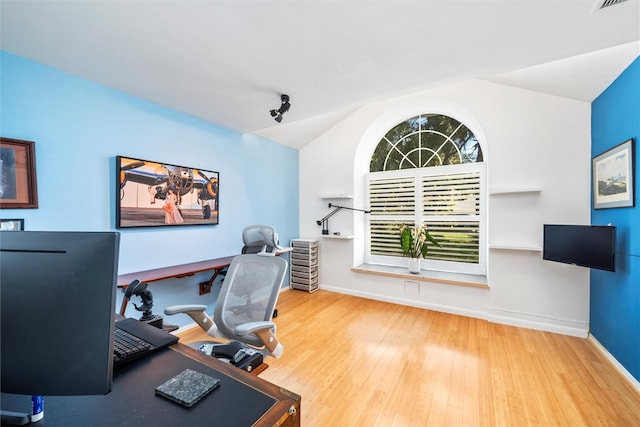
(161, 177)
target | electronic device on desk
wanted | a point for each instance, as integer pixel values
(140, 289)
(134, 339)
(233, 352)
(58, 293)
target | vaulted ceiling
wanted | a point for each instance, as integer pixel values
(229, 61)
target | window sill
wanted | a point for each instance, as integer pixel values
(459, 279)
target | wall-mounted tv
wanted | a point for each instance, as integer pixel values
(155, 194)
(590, 246)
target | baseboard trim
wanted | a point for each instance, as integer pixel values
(621, 369)
(559, 326)
(539, 323)
(411, 303)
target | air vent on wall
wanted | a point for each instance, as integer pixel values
(602, 4)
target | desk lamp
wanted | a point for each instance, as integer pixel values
(324, 222)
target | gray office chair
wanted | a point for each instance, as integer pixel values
(246, 303)
(260, 239)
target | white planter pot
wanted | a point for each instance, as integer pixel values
(414, 265)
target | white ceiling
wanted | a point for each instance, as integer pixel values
(228, 61)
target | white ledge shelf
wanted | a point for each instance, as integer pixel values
(341, 237)
(442, 277)
(510, 247)
(515, 190)
(337, 196)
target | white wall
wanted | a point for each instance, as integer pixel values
(529, 139)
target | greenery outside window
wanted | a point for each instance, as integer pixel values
(428, 170)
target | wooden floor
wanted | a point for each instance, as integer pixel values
(358, 362)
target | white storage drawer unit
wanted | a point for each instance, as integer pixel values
(304, 265)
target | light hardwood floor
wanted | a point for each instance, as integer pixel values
(359, 362)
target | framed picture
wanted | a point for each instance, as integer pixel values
(612, 173)
(11, 224)
(18, 189)
(155, 194)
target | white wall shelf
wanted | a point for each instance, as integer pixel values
(336, 196)
(510, 247)
(514, 190)
(331, 236)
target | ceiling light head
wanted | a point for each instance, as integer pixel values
(284, 107)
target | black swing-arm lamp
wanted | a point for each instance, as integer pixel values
(324, 222)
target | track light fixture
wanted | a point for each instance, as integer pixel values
(277, 114)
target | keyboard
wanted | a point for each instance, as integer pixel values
(134, 340)
(128, 347)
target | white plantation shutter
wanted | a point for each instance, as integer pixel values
(393, 196)
(392, 201)
(449, 205)
(451, 211)
(451, 194)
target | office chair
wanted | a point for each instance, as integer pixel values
(245, 305)
(260, 239)
(263, 240)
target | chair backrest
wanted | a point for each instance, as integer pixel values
(261, 239)
(249, 293)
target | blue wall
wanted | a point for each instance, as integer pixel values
(79, 127)
(615, 297)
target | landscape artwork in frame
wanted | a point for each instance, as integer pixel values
(613, 173)
(18, 189)
(155, 194)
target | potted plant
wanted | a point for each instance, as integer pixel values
(415, 241)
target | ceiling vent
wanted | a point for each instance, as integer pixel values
(603, 4)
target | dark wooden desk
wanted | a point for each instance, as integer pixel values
(241, 400)
(176, 272)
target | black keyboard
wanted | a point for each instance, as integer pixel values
(135, 339)
(127, 347)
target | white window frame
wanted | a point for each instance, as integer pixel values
(374, 136)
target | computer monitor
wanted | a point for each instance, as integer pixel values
(57, 296)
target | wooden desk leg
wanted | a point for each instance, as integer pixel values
(205, 287)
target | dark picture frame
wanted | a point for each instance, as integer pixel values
(12, 224)
(156, 194)
(18, 186)
(613, 177)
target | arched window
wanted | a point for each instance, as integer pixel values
(428, 170)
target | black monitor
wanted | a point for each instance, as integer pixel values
(592, 246)
(57, 292)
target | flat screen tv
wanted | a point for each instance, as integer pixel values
(590, 246)
(156, 194)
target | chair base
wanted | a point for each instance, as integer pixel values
(233, 352)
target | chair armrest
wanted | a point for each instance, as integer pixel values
(198, 313)
(175, 309)
(266, 332)
(253, 327)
